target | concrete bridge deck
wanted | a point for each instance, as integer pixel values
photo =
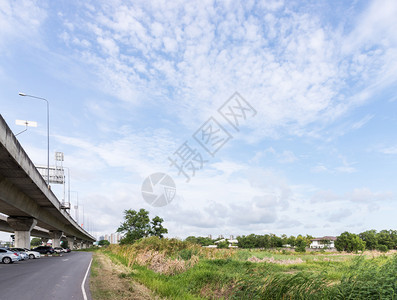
(25, 197)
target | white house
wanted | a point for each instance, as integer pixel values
(232, 242)
(323, 242)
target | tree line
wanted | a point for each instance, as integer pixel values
(266, 241)
(138, 225)
(383, 240)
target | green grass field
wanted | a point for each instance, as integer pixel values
(179, 270)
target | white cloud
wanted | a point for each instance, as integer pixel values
(325, 196)
(346, 167)
(286, 156)
(389, 150)
(19, 22)
(319, 169)
(365, 195)
(301, 79)
(338, 215)
(362, 122)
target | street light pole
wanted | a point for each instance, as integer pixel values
(69, 186)
(48, 134)
(76, 207)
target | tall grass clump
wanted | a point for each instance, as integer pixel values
(363, 278)
(166, 256)
(301, 285)
(369, 279)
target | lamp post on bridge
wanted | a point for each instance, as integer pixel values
(68, 185)
(48, 134)
(76, 207)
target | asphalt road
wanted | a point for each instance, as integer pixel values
(46, 278)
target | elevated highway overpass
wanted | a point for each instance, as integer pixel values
(27, 201)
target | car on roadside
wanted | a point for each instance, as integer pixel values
(21, 252)
(8, 256)
(44, 249)
(59, 250)
(30, 254)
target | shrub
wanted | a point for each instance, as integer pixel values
(223, 245)
(300, 246)
(383, 248)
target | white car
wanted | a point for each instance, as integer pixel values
(27, 253)
(32, 254)
(21, 252)
(59, 250)
(7, 256)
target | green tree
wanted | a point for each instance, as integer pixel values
(203, 241)
(262, 241)
(300, 244)
(284, 238)
(137, 225)
(103, 243)
(370, 238)
(192, 239)
(349, 242)
(393, 235)
(35, 242)
(275, 241)
(383, 248)
(291, 241)
(249, 241)
(308, 239)
(157, 227)
(385, 238)
(223, 245)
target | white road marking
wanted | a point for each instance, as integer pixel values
(85, 277)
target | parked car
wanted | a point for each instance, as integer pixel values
(7, 256)
(21, 252)
(68, 250)
(44, 249)
(31, 254)
(59, 250)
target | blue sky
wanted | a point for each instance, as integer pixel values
(129, 82)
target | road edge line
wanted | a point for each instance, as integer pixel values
(85, 278)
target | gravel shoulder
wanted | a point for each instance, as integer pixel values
(109, 280)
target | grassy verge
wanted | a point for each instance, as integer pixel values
(178, 270)
(110, 280)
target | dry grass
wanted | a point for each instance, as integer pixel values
(276, 261)
(165, 255)
(224, 292)
(159, 263)
(108, 282)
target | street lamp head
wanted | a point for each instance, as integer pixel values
(48, 134)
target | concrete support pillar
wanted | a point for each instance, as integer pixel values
(78, 244)
(70, 242)
(84, 245)
(22, 227)
(56, 238)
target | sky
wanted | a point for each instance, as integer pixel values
(294, 104)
